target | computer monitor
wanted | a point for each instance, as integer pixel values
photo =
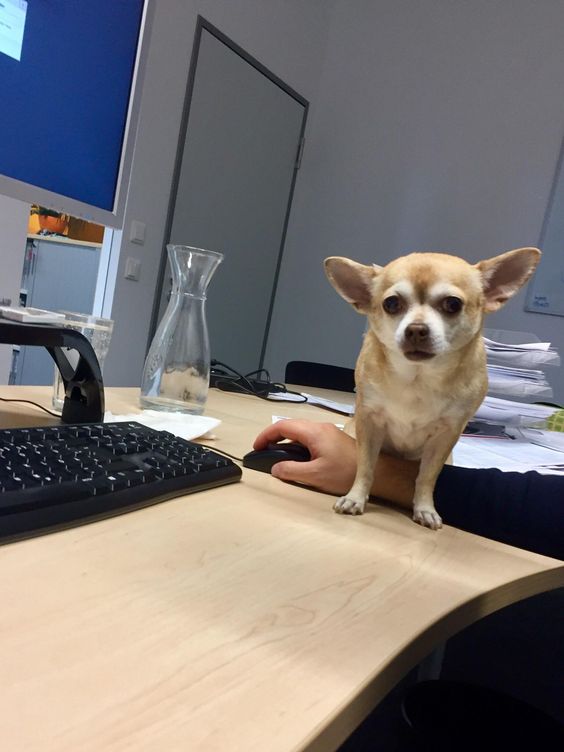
(70, 86)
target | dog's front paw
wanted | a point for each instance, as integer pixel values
(427, 516)
(349, 505)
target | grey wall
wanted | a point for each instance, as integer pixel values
(437, 126)
(289, 38)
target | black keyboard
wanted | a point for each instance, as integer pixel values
(60, 476)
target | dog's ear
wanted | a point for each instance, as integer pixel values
(353, 281)
(504, 275)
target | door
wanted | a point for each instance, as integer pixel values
(238, 156)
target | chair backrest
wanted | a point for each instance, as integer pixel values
(319, 374)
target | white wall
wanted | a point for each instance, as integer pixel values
(437, 126)
(288, 37)
(14, 217)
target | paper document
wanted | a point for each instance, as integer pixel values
(518, 382)
(312, 399)
(549, 439)
(31, 315)
(527, 355)
(518, 455)
(286, 397)
(512, 413)
(338, 407)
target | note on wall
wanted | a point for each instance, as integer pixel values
(546, 289)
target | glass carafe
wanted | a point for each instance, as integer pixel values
(177, 368)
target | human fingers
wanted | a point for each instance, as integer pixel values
(301, 431)
(315, 474)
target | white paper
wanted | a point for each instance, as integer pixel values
(277, 418)
(285, 397)
(312, 399)
(526, 355)
(184, 425)
(338, 407)
(518, 382)
(512, 413)
(31, 315)
(517, 455)
(550, 439)
(504, 346)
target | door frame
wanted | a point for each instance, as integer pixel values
(201, 25)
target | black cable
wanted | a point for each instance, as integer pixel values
(219, 451)
(256, 383)
(35, 404)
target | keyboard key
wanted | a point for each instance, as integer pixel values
(58, 476)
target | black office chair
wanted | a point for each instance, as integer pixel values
(319, 374)
(449, 715)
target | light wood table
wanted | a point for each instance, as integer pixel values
(248, 618)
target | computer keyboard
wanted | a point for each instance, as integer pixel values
(60, 476)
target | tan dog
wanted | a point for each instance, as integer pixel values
(421, 373)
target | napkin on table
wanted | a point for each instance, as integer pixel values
(184, 425)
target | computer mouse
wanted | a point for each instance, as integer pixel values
(263, 459)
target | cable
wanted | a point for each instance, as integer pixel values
(256, 383)
(35, 404)
(220, 451)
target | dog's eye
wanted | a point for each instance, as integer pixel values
(451, 304)
(392, 304)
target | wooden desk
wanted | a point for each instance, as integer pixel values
(248, 618)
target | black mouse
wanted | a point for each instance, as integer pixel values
(263, 459)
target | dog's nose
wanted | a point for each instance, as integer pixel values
(416, 333)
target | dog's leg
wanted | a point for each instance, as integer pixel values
(435, 454)
(369, 437)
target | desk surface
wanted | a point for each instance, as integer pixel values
(245, 618)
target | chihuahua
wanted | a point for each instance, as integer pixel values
(421, 373)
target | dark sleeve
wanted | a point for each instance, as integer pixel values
(522, 509)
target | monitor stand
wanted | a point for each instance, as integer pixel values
(84, 389)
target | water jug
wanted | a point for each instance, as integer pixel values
(177, 368)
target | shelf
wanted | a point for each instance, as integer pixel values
(63, 239)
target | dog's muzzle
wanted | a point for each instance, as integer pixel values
(417, 345)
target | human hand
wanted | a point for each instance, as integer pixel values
(333, 455)
(332, 467)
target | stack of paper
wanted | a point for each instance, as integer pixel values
(521, 453)
(528, 355)
(518, 382)
(509, 413)
(513, 369)
(524, 444)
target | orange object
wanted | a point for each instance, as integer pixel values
(33, 226)
(52, 224)
(79, 229)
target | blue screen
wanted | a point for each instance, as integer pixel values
(65, 81)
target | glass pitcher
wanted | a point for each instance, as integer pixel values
(177, 368)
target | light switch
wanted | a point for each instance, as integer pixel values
(132, 269)
(137, 232)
